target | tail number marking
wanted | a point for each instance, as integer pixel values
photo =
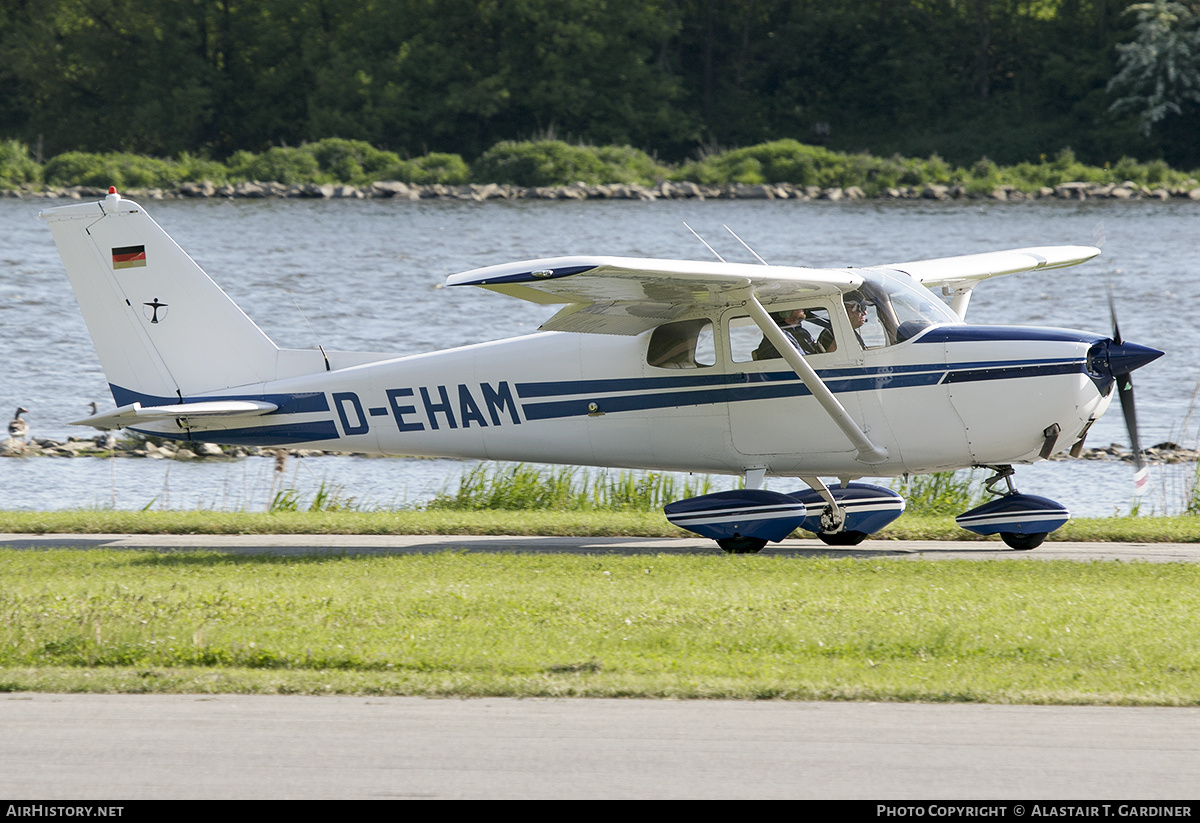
(437, 407)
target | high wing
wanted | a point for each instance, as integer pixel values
(956, 272)
(625, 295)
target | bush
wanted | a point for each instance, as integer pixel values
(351, 161)
(197, 169)
(279, 165)
(17, 168)
(790, 161)
(555, 163)
(116, 169)
(437, 167)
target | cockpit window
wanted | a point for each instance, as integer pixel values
(896, 310)
(808, 328)
(687, 344)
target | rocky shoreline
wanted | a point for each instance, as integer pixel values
(98, 446)
(392, 189)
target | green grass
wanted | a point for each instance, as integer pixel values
(553, 625)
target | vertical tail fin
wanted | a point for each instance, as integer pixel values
(160, 325)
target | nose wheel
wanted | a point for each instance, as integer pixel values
(742, 545)
(1023, 542)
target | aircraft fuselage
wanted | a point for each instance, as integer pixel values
(953, 396)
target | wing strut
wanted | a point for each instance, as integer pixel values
(868, 452)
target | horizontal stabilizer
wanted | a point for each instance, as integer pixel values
(136, 413)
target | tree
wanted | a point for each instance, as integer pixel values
(1160, 69)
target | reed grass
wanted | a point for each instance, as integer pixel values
(522, 487)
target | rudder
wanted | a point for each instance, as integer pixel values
(160, 325)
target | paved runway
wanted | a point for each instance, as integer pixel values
(407, 544)
(100, 747)
(113, 747)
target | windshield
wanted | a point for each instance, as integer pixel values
(898, 309)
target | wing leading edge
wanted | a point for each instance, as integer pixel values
(971, 268)
(625, 295)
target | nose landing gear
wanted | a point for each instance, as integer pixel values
(1023, 521)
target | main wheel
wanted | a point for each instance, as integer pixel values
(1023, 542)
(742, 545)
(846, 538)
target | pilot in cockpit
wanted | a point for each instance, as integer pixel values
(856, 310)
(790, 322)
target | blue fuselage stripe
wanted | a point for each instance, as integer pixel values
(768, 385)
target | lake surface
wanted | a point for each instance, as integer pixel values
(368, 274)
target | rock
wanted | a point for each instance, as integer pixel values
(204, 188)
(250, 189)
(1071, 191)
(743, 191)
(393, 188)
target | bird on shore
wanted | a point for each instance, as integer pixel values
(18, 429)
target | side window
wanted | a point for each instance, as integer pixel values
(808, 328)
(864, 317)
(687, 344)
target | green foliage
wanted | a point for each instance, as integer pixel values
(351, 161)
(197, 169)
(942, 493)
(556, 163)
(276, 164)
(439, 167)
(1010, 80)
(116, 169)
(1160, 69)
(327, 498)
(17, 168)
(789, 161)
(528, 488)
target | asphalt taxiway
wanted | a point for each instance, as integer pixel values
(412, 544)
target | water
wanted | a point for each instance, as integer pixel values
(367, 275)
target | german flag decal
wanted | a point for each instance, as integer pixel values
(128, 257)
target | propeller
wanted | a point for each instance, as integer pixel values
(1121, 358)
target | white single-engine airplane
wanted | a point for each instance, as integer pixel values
(654, 364)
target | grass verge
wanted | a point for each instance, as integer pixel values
(459, 624)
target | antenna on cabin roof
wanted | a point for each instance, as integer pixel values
(747, 245)
(701, 239)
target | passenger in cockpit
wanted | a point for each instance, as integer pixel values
(797, 335)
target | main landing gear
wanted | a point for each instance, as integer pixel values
(744, 521)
